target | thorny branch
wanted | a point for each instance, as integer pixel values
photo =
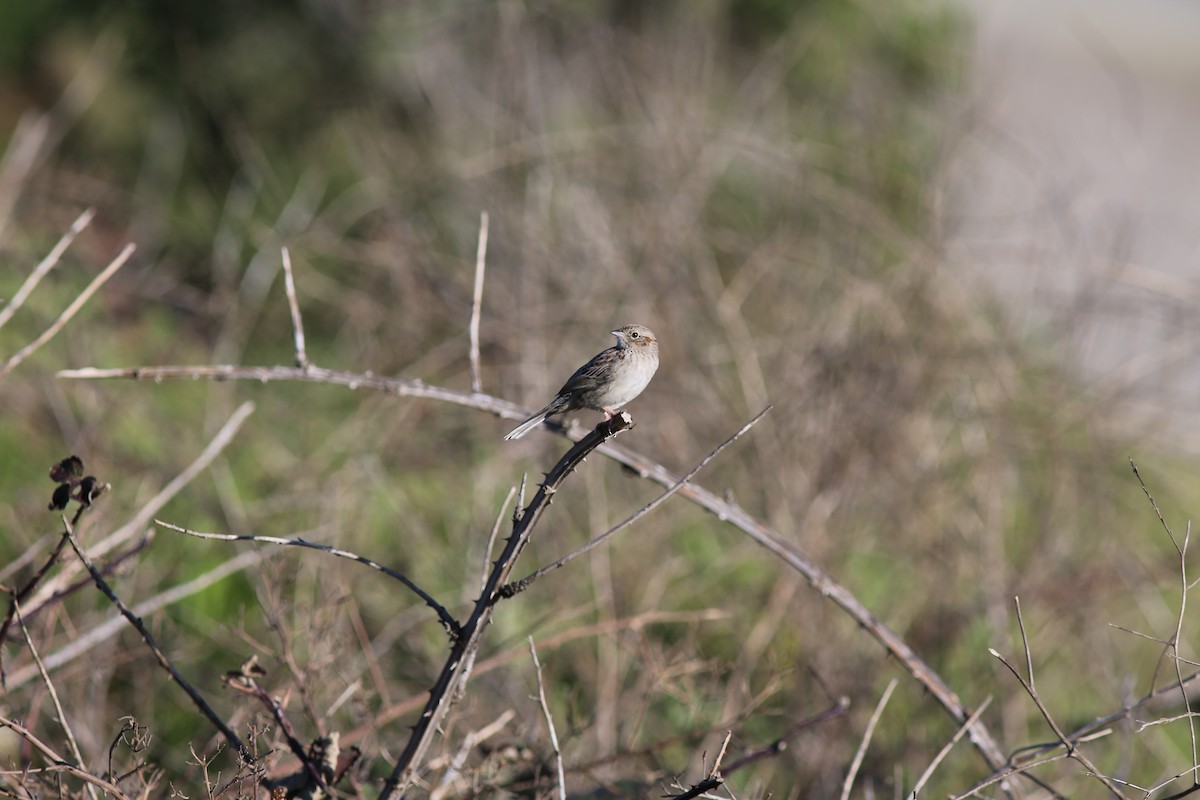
(457, 667)
(725, 510)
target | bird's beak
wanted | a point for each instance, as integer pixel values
(616, 334)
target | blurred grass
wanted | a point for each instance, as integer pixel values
(751, 179)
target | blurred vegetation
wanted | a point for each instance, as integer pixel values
(753, 179)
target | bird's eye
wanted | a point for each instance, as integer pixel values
(635, 335)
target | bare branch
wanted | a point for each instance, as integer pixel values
(839, 708)
(866, 738)
(1153, 504)
(1183, 593)
(165, 662)
(59, 761)
(714, 779)
(1071, 746)
(45, 265)
(541, 687)
(945, 751)
(137, 525)
(65, 317)
(725, 510)
(472, 740)
(34, 580)
(58, 709)
(523, 584)
(103, 632)
(716, 767)
(451, 680)
(448, 622)
(477, 300)
(487, 551)
(289, 287)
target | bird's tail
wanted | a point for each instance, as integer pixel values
(531, 423)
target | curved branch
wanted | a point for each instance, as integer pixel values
(724, 510)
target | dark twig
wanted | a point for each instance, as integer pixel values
(462, 654)
(104, 631)
(1125, 711)
(779, 745)
(448, 622)
(1153, 503)
(165, 662)
(31, 584)
(243, 681)
(716, 778)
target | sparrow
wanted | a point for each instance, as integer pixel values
(606, 383)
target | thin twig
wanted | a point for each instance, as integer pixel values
(487, 551)
(839, 708)
(866, 738)
(58, 760)
(29, 586)
(1171, 647)
(1071, 746)
(477, 300)
(1153, 503)
(515, 653)
(104, 632)
(58, 709)
(1195, 787)
(1125, 711)
(1009, 771)
(541, 687)
(289, 287)
(713, 780)
(1187, 701)
(65, 317)
(44, 266)
(202, 704)
(523, 584)
(448, 622)
(1025, 646)
(247, 684)
(469, 743)
(716, 767)
(945, 751)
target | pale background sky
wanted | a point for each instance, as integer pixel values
(1077, 190)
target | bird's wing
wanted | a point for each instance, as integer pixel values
(589, 375)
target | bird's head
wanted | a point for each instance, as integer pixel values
(636, 336)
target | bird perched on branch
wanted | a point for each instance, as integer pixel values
(607, 382)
